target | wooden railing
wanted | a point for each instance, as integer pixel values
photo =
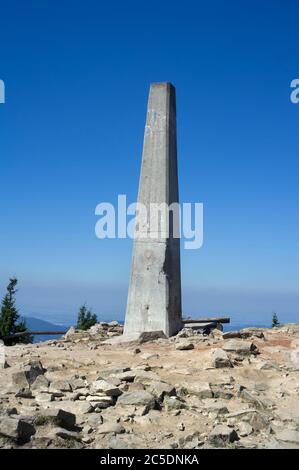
(208, 320)
(32, 333)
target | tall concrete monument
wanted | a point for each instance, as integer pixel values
(154, 297)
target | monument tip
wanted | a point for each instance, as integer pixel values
(162, 85)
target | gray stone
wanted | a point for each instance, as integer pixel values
(114, 380)
(144, 367)
(173, 403)
(147, 336)
(100, 401)
(154, 297)
(41, 384)
(108, 428)
(244, 429)
(286, 414)
(97, 328)
(29, 419)
(58, 386)
(4, 365)
(185, 333)
(267, 365)
(44, 397)
(77, 383)
(222, 381)
(70, 332)
(261, 386)
(87, 439)
(87, 429)
(16, 429)
(75, 407)
(288, 435)
(128, 376)
(19, 380)
(33, 369)
(106, 387)
(95, 420)
(161, 389)
(240, 347)
(24, 393)
(28, 374)
(250, 398)
(146, 377)
(216, 409)
(231, 334)
(148, 356)
(8, 411)
(138, 398)
(184, 345)
(200, 389)
(220, 359)
(219, 392)
(103, 374)
(126, 442)
(248, 332)
(222, 435)
(245, 414)
(181, 427)
(63, 433)
(57, 417)
(259, 421)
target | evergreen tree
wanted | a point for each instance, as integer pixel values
(10, 322)
(275, 321)
(86, 318)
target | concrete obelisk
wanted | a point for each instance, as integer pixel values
(154, 297)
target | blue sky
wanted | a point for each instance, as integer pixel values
(77, 76)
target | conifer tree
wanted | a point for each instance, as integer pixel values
(275, 321)
(10, 321)
(86, 318)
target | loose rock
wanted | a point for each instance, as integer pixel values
(222, 435)
(220, 359)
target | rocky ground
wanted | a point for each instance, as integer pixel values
(191, 391)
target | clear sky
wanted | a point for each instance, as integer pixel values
(77, 76)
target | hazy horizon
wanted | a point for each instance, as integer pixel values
(109, 303)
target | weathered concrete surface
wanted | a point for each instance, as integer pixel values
(154, 297)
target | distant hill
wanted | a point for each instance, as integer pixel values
(38, 324)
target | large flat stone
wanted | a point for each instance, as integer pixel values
(239, 347)
(138, 398)
(288, 435)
